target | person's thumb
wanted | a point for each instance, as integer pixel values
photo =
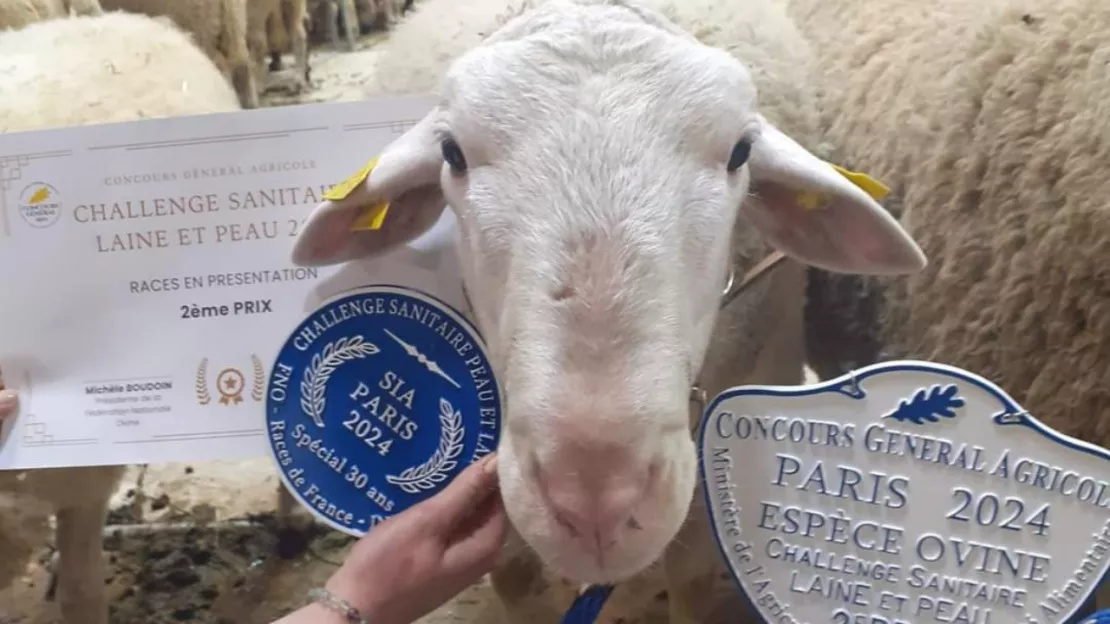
(9, 401)
(464, 493)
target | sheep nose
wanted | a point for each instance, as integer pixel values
(597, 509)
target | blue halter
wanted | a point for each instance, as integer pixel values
(587, 606)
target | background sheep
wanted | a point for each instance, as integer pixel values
(289, 34)
(219, 27)
(328, 16)
(275, 27)
(549, 108)
(260, 15)
(999, 160)
(18, 13)
(368, 14)
(379, 14)
(998, 145)
(113, 67)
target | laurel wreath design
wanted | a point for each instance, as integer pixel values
(258, 388)
(428, 475)
(323, 364)
(203, 397)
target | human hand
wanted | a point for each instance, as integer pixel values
(9, 400)
(415, 561)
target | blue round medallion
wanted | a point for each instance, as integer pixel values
(376, 402)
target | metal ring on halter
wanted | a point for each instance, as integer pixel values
(1014, 418)
(698, 395)
(856, 389)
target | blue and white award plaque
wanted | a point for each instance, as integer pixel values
(906, 493)
(376, 402)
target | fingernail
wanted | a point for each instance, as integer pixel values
(491, 464)
(8, 400)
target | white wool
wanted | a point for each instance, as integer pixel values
(15, 14)
(140, 68)
(219, 27)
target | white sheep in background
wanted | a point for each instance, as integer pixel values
(990, 120)
(379, 13)
(369, 15)
(219, 27)
(608, 172)
(1002, 174)
(16, 14)
(87, 70)
(326, 18)
(275, 27)
(289, 34)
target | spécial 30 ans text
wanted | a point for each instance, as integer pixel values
(350, 472)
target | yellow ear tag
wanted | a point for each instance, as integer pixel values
(877, 190)
(812, 200)
(370, 217)
(340, 191)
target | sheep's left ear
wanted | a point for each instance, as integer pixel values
(817, 215)
(391, 201)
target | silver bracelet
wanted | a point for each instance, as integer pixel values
(325, 598)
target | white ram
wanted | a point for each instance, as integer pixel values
(610, 172)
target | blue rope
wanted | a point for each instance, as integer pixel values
(587, 606)
(1099, 617)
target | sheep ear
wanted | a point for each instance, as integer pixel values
(394, 199)
(822, 215)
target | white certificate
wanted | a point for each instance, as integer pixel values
(147, 276)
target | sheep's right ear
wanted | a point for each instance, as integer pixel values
(821, 217)
(389, 202)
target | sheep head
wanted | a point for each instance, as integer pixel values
(596, 158)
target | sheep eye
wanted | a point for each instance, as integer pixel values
(453, 155)
(740, 153)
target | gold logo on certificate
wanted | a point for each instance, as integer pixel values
(230, 383)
